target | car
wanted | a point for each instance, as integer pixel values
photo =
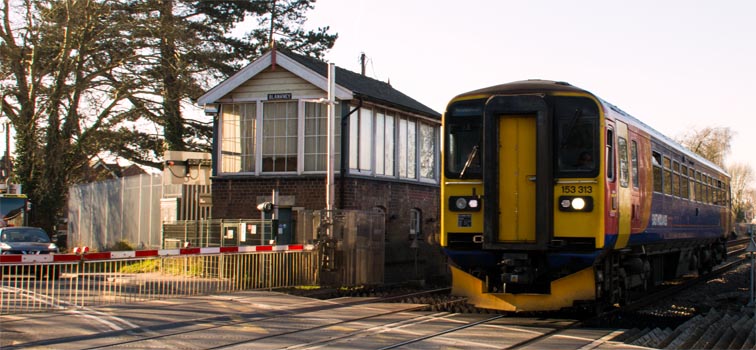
(25, 240)
(28, 240)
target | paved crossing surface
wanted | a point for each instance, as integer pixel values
(270, 320)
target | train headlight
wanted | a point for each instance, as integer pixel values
(571, 203)
(464, 203)
(578, 203)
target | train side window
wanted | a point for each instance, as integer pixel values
(724, 196)
(610, 155)
(676, 179)
(684, 183)
(692, 184)
(667, 176)
(711, 189)
(656, 160)
(698, 187)
(624, 173)
(634, 162)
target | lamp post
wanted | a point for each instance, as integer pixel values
(330, 193)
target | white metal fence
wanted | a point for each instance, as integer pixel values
(100, 214)
(69, 281)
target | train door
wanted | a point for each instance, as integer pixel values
(637, 216)
(624, 191)
(517, 178)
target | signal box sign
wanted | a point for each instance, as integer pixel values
(280, 96)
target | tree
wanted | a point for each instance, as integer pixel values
(184, 45)
(81, 77)
(742, 177)
(55, 56)
(712, 143)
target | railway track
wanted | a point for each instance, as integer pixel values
(735, 249)
(375, 323)
(429, 320)
(652, 323)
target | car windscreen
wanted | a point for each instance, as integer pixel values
(24, 235)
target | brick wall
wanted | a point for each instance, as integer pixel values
(236, 197)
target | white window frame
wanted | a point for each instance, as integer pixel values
(357, 137)
(239, 142)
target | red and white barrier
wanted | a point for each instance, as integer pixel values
(82, 253)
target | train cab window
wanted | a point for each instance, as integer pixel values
(656, 160)
(576, 137)
(667, 175)
(464, 127)
(634, 162)
(624, 172)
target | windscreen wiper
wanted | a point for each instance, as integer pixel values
(470, 158)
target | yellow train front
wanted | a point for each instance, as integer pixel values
(548, 200)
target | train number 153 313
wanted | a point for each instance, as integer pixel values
(577, 189)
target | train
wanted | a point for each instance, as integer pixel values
(552, 199)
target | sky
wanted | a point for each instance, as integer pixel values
(675, 65)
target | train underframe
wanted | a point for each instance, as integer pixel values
(538, 281)
(624, 275)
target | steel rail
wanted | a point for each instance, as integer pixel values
(438, 334)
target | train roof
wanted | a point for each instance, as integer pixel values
(665, 139)
(527, 86)
(548, 86)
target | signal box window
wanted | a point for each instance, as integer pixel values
(238, 123)
(280, 122)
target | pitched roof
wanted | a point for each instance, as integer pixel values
(349, 84)
(364, 86)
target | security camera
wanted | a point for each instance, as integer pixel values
(265, 206)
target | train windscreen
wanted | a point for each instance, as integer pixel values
(464, 125)
(576, 121)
